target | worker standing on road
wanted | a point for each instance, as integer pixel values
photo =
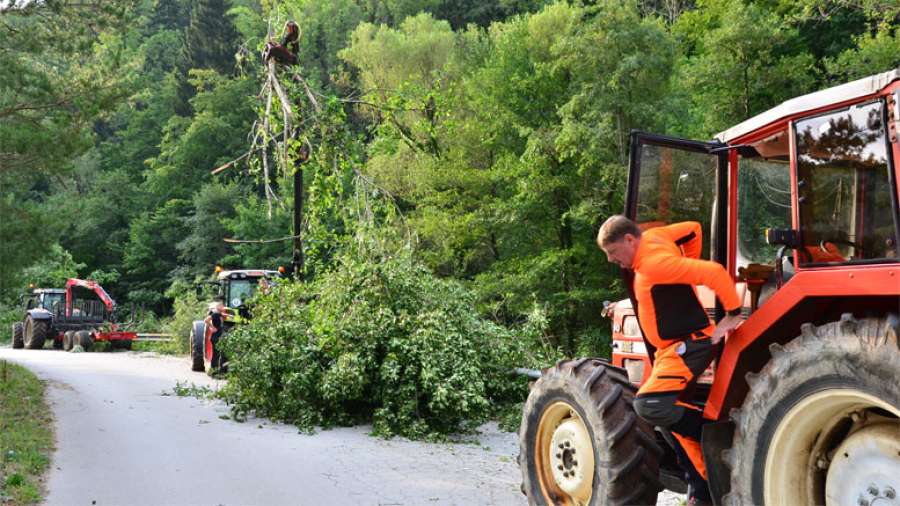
(667, 268)
(215, 320)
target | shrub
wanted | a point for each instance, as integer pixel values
(375, 340)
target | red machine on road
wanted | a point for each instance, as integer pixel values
(82, 314)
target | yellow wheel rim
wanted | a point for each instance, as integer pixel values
(564, 456)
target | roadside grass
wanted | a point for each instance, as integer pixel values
(161, 347)
(26, 436)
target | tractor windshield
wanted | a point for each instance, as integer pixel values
(844, 186)
(53, 300)
(240, 290)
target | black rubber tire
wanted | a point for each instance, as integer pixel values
(123, 344)
(35, 333)
(626, 454)
(68, 340)
(84, 339)
(857, 354)
(198, 335)
(18, 335)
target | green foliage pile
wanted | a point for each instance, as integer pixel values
(376, 339)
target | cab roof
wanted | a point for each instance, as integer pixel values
(247, 273)
(48, 290)
(811, 102)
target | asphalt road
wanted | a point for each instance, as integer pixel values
(124, 438)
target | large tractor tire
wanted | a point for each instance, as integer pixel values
(198, 336)
(821, 422)
(581, 442)
(84, 339)
(35, 333)
(68, 340)
(18, 335)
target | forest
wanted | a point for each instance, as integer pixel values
(457, 158)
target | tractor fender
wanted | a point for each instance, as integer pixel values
(40, 314)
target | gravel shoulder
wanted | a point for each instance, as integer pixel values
(123, 437)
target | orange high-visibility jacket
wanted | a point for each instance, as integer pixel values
(667, 269)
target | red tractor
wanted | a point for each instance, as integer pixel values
(235, 288)
(800, 205)
(81, 314)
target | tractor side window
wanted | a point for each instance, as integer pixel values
(764, 201)
(676, 185)
(844, 186)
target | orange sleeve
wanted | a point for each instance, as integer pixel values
(672, 269)
(687, 235)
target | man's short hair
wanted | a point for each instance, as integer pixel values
(614, 229)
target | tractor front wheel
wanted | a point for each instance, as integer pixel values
(580, 441)
(198, 336)
(18, 335)
(35, 333)
(821, 423)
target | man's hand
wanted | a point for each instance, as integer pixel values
(725, 325)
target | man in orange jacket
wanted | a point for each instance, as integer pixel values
(667, 267)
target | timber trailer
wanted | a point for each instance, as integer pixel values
(81, 314)
(800, 205)
(234, 288)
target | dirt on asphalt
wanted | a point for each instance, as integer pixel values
(124, 437)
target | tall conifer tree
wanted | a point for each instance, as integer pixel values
(210, 42)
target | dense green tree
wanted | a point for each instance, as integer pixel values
(151, 254)
(742, 59)
(204, 247)
(210, 42)
(58, 70)
(191, 147)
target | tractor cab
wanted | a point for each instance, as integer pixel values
(807, 185)
(45, 298)
(236, 287)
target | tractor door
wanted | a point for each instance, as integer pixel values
(672, 180)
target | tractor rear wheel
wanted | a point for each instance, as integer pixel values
(581, 442)
(18, 335)
(197, 338)
(84, 338)
(35, 333)
(821, 422)
(68, 340)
